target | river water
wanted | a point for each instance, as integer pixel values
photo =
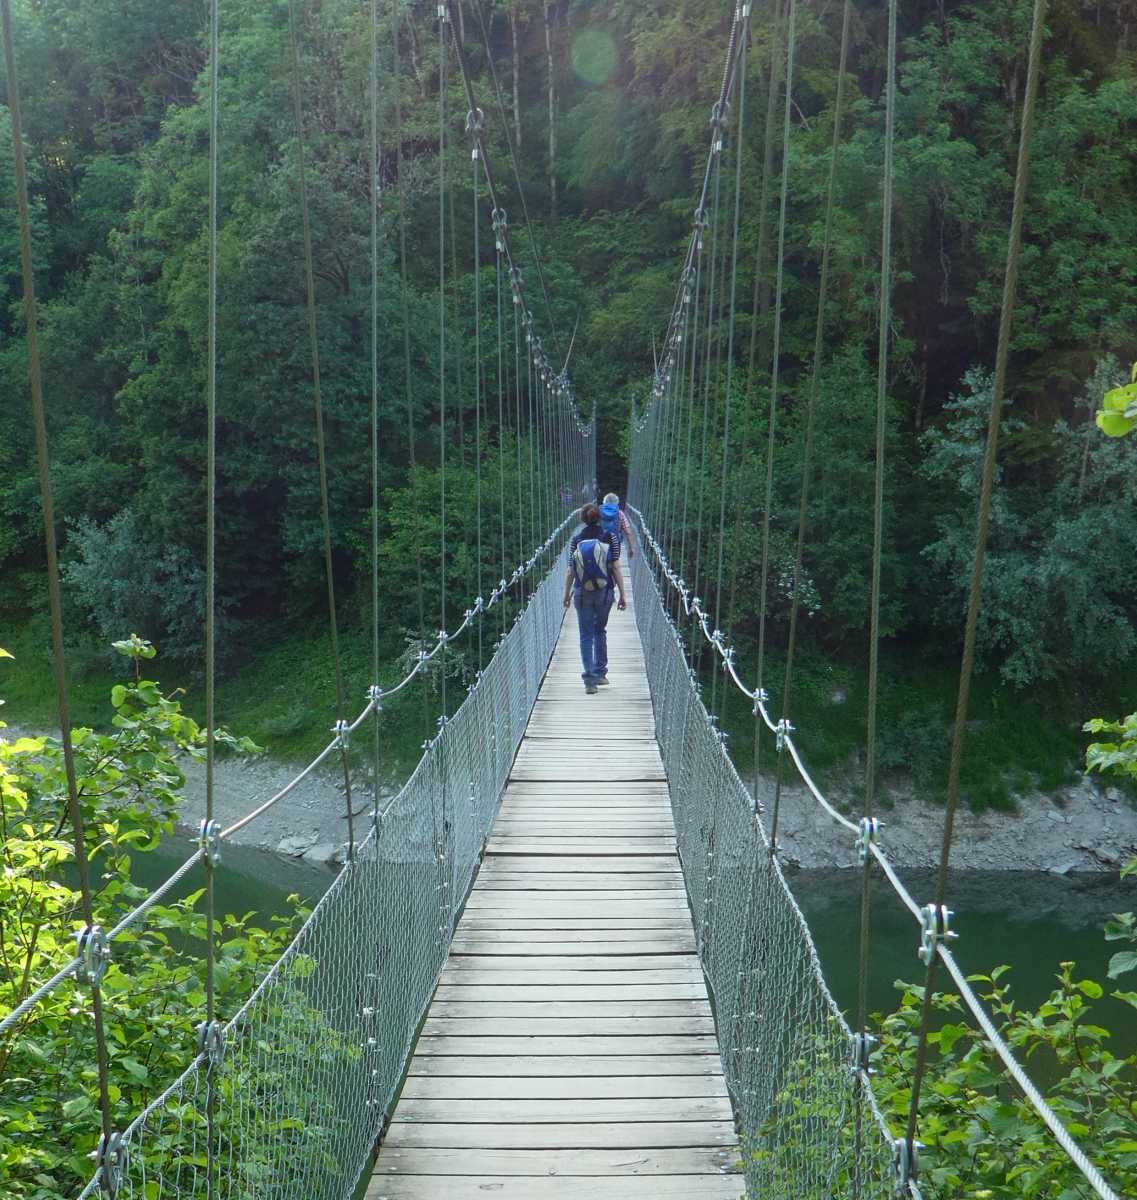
(1029, 920)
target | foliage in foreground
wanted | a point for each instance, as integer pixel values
(981, 1137)
(153, 992)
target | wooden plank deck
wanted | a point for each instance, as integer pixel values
(570, 1050)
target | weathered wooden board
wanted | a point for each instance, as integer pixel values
(693, 1160)
(559, 1087)
(566, 1136)
(408, 1186)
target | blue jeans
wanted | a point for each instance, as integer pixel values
(592, 609)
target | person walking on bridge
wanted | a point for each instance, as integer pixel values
(593, 571)
(615, 520)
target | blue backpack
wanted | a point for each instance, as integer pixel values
(610, 519)
(590, 565)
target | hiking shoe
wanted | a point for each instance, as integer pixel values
(602, 681)
(590, 689)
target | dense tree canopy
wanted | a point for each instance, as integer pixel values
(116, 127)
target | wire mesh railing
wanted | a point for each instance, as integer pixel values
(300, 1080)
(808, 1123)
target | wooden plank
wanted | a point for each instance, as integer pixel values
(558, 846)
(616, 900)
(477, 948)
(568, 1027)
(566, 1066)
(575, 1087)
(511, 1111)
(570, 1008)
(693, 1160)
(549, 1046)
(495, 973)
(504, 1187)
(490, 938)
(566, 1136)
(680, 989)
(648, 864)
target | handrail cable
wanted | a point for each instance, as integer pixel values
(90, 962)
(321, 455)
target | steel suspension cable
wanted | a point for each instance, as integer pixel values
(373, 88)
(321, 454)
(443, 74)
(408, 380)
(478, 388)
(744, 38)
(93, 954)
(1006, 318)
(791, 45)
(209, 829)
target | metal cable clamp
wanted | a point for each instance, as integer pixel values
(869, 828)
(782, 731)
(94, 952)
(905, 1165)
(760, 696)
(342, 732)
(500, 226)
(935, 927)
(211, 1043)
(863, 1046)
(209, 839)
(375, 695)
(110, 1158)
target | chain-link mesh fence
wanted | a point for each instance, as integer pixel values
(311, 1064)
(807, 1121)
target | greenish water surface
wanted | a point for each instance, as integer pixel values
(1029, 920)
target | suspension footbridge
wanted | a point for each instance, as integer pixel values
(570, 1047)
(522, 983)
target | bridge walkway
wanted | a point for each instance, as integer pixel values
(570, 1050)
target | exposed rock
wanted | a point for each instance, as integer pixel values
(296, 844)
(323, 854)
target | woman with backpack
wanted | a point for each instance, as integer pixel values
(593, 570)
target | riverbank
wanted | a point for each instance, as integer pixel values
(1084, 827)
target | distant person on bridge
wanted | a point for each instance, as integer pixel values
(613, 519)
(593, 570)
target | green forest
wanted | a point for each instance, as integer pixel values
(116, 126)
(597, 121)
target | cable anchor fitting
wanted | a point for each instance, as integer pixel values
(342, 732)
(863, 1046)
(443, 15)
(209, 839)
(211, 1043)
(760, 696)
(869, 828)
(94, 953)
(500, 226)
(905, 1165)
(935, 924)
(110, 1158)
(782, 731)
(375, 696)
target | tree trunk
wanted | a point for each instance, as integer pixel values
(516, 78)
(549, 15)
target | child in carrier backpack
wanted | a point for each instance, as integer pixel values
(613, 519)
(593, 573)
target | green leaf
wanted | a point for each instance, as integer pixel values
(4, 653)
(1091, 988)
(1119, 399)
(1122, 963)
(1114, 424)
(118, 695)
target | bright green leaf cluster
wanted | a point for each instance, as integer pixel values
(1118, 415)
